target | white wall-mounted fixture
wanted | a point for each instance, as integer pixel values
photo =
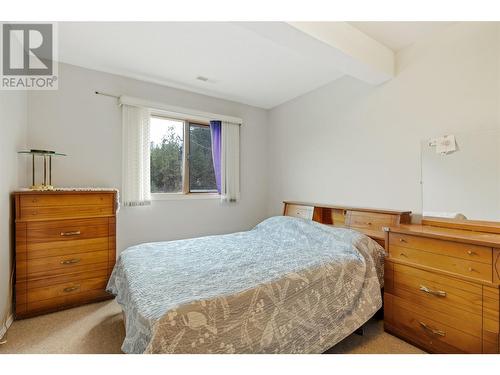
(445, 144)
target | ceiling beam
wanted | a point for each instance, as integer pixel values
(348, 49)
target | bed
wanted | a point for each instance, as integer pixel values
(289, 285)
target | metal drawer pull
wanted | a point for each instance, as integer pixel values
(71, 289)
(431, 330)
(368, 223)
(74, 233)
(470, 252)
(403, 255)
(402, 240)
(70, 261)
(439, 293)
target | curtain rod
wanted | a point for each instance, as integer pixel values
(171, 109)
(106, 94)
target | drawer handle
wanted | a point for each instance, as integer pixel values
(471, 269)
(436, 332)
(73, 233)
(70, 261)
(368, 223)
(438, 293)
(470, 252)
(402, 240)
(403, 255)
(71, 289)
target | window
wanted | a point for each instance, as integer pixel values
(167, 153)
(181, 157)
(201, 166)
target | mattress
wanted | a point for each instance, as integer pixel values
(287, 286)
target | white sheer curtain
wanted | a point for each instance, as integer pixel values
(136, 189)
(230, 162)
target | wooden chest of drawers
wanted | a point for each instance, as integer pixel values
(442, 288)
(65, 246)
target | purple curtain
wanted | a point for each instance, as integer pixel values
(215, 132)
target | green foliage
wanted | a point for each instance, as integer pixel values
(201, 168)
(166, 162)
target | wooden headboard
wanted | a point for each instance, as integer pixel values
(370, 221)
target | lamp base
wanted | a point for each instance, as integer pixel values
(42, 187)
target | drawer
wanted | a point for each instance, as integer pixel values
(58, 303)
(430, 330)
(61, 290)
(305, 212)
(444, 296)
(66, 199)
(64, 212)
(57, 265)
(374, 221)
(67, 230)
(475, 253)
(55, 248)
(97, 270)
(458, 266)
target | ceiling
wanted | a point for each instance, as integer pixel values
(397, 35)
(262, 64)
(240, 64)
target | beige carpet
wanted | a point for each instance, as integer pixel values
(98, 328)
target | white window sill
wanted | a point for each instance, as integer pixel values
(182, 196)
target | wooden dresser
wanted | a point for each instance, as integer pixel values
(442, 282)
(369, 221)
(64, 249)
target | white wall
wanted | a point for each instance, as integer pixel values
(355, 144)
(88, 128)
(13, 122)
(471, 176)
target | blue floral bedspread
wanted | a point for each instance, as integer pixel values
(287, 286)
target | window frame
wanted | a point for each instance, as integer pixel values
(187, 144)
(185, 193)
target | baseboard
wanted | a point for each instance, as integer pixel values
(8, 322)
